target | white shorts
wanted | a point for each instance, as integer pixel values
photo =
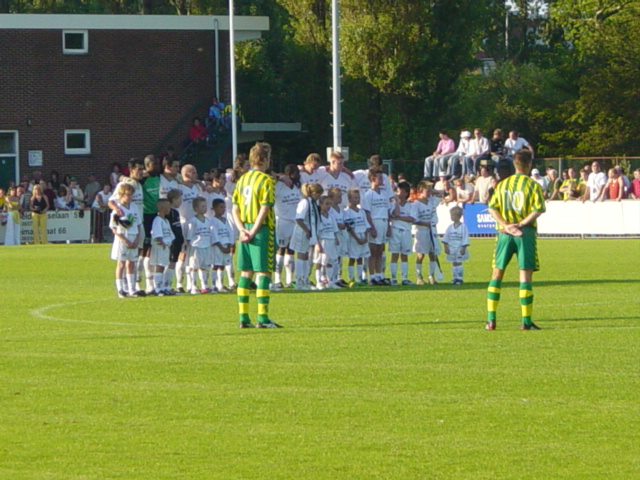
(382, 226)
(220, 259)
(299, 242)
(199, 258)
(342, 250)
(400, 241)
(284, 231)
(455, 257)
(329, 253)
(423, 242)
(356, 250)
(159, 256)
(121, 253)
(231, 222)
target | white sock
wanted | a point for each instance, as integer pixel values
(148, 274)
(203, 275)
(419, 269)
(318, 275)
(119, 285)
(300, 271)
(168, 278)
(158, 279)
(394, 270)
(210, 278)
(219, 279)
(432, 267)
(131, 281)
(288, 268)
(404, 270)
(350, 270)
(360, 270)
(139, 272)
(278, 270)
(383, 265)
(179, 273)
(191, 279)
(230, 275)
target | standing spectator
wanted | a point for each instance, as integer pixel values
(625, 180)
(515, 143)
(516, 224)
(66, 180)
(91, 190)
(37, 177)
(553, 187)
(569, 188)
(479, 149)
(614, 188)
(114, 176)
(3, 199)
(635, 185)
(76, 194)
(464, 191)
(99, 210)
(24, 195)
(54, 180)
(215, 115)
(197, 133)
(445, 147)
(542, 181)
(595, 183)
(49, 192)
(12, 204)
(39, 206)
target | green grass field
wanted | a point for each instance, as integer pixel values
(387, 383)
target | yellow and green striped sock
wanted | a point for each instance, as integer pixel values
(526, 302)
(244, 285)
(263, 297)
(493, 298)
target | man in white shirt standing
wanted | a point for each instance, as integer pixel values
(595, 183)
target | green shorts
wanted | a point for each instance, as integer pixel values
(524, 247)
(258, 255)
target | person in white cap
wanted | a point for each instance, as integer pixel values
(535, 176)
(449, 164)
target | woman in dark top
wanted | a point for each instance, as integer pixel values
(39, 206)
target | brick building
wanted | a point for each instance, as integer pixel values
(79, 92)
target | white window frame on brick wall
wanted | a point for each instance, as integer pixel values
(77, 151)
(76, 51)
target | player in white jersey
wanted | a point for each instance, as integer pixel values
(191, 189)
(214, 190)
(222, 244)
(456, 245)
(335, 177)
(361, 177)
(305, 232)
(287, 200)
(425, 239)
(309, 172)
(161, 239)
(358, 228)
(326, 253)
(136, 175)
(375, 203)
(400, 242)
(126, 225)
(199, 245)
(335, 195)
(168, 177)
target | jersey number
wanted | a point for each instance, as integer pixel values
(514, 201)
(246, 194)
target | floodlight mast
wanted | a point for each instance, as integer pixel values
(232, 68)
(335, 58)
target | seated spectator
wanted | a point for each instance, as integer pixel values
(634, 192)
(515, 143)
(444, 189)
(76, 193)
(569, 188)
(614, 188)
(536, 177)
(451, 164)
(479, 149)
(497, 147)
(49, 192)
(215, 115)
(64, 199)
(553, 187)
(91, 190)
(464, 191)
(595, 183)
(484, 183)
(197, 133)
(445, 147)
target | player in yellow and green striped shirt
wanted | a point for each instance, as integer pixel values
(253, 200)
(516, 203)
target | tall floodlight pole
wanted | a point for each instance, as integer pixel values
(337, 108)
(232, 67)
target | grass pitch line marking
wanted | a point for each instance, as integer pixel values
(42, 315)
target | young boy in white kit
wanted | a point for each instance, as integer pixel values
(287, 199)
(376, 205)
(336, 211)
(127, 233)
(222, 244)
(162, 238)
(326, 253)
(456, 245)
(400, 242)
(305, 231)
(199, 246)
(358, 228)
(425, 240)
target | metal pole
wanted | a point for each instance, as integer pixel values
(232, 67)
(337, 108)
(216, 49)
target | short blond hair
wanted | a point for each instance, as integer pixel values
(260, 155)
